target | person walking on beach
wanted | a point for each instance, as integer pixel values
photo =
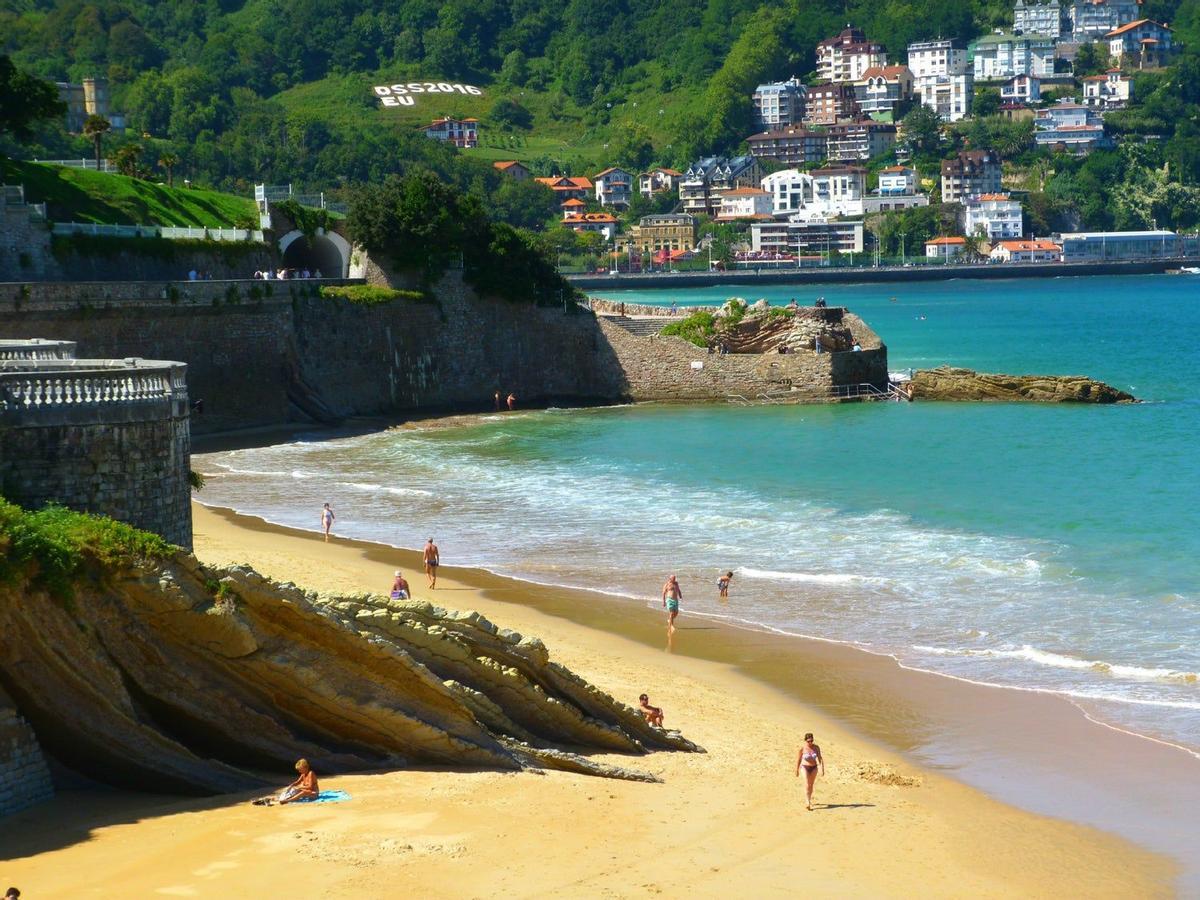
(723, 585)
(327, 518)
(432, 558)
(512, 402)
(672, 593)
(809, 760)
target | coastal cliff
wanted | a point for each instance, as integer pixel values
(162, 674)
(949, 383)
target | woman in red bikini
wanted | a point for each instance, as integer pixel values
(809, 760)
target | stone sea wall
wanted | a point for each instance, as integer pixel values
(24, 775)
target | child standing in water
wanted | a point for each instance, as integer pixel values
(723, 585)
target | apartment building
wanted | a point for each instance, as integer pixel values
(701, 186)
(1111, 90)
(882, 89)
(807, 236)
(790, 146)
(1001, 55)
(993, 216)
(1070, 127)
(671, 231)
(779, 104)
(1092, 19)
(819, 194)
(657, 181)
(970, 173)
(1047, 17)
(1145, 44)
(830, 103)
(860, 141)
(844, 57)
(942, 79)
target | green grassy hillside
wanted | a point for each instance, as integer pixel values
(79, 195)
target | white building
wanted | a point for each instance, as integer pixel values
(819, 194)
(1000, 55)
(1091, 19)
(1026, 251)
(897, 190)
(1143, 43)
(933, 58)
(806, 236)
(882, 89)
(945, 247)
(614, 187)
(941, 77)
(779, 104)
(993, 216)
(1040, 17)
(898, 180)
(1097, 246)
(1070, 127)
(745, 203)
(1109, 91)
(658, 181)
(1021, 89)
(862, 140)
(847, 55)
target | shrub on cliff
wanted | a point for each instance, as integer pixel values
(418, 223)
(55, 543)
(699, 328)
(368, 294)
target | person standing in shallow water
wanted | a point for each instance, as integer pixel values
(512, 402)
(327, 518)
(432, 559)
(723, 585)
(809, 760)
(672, 593)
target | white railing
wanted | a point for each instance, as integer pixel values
(169, 232)
(36, 348)
(272, 193)
(35, 385)
(105, 165)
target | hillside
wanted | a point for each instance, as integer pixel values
(80, 195)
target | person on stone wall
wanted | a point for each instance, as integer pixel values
(327, 518)
(400, 589)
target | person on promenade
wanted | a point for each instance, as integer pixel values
(400, 589)
(652, 714)
(512, 402)
(432, 558)
(327, 518)
(809, 760)
(723, 585)
(672, 593)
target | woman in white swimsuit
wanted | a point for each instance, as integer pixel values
(809, 760)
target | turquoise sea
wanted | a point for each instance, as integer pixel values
(1047, 548)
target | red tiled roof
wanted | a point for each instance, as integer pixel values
(993, 197)
(574, 201)
(667, 171)
(946, 240)
(896, 169)
(884, 71)
(608, 170)
(1016, 246)
(507, 164)
(1132, 25)
(590, 218)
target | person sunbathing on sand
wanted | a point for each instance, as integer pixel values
(303, 788)
(653, 714)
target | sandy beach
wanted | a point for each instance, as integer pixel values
(730, 821)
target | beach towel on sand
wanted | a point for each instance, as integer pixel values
(328, 797)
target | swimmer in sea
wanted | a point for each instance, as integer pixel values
(672, 593)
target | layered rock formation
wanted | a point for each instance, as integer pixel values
(948, 383)
(170, 676)
(763, 329)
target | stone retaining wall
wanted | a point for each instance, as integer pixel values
(24, 775)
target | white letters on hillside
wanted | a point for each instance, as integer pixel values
(402, 94)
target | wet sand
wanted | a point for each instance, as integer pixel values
(728, 822)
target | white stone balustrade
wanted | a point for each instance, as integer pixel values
(33, 385)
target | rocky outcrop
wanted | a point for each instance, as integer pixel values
(171, 676)
(947, 383)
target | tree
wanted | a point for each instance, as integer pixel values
(507, 113)
(923, 130)
(25, 100)
(169, 161)
(987, 102)
(633, 148)
(127, 159)
(1090, 59)
(95, 127)
(971, 246)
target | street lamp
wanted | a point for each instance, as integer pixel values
(903, 258)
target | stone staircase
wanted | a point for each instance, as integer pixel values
(642, 326)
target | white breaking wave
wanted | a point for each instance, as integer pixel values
(808, 577)
(1061, 661)
(398, 491)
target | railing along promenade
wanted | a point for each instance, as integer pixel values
(36, 348)
(116, 295)
(90, 391)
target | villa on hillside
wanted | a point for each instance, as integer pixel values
(1092, 19)
(999, 56)
(657, 181)
(1046, 17)
(830, 103)
(897, 190)
(971, 173)
(614, 187)
(819, 194)
(882, 89)
(1071, 128)
(567, 188)
(1021, 89)
(462, 133)
(791, 146)
(942, 79)
(513, 170)
(993, 217)
(1026, 251)
(1112, 90)
(598, 223)
(945, 248)
(1143, 43)
(779, 104)
(846, 56)
(744, 203)
(90, 98)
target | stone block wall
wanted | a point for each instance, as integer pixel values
(135, 470)
(24, 775)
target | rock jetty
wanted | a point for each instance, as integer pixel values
(948, 383)
(171, 676)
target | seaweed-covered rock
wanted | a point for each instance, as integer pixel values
(948, 383)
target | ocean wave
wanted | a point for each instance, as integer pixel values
(808, 577)
(1061, 661)
(374, 488)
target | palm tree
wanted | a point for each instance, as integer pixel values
(971, 246)
(95, 128)
(169, 161)
(126, 159)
